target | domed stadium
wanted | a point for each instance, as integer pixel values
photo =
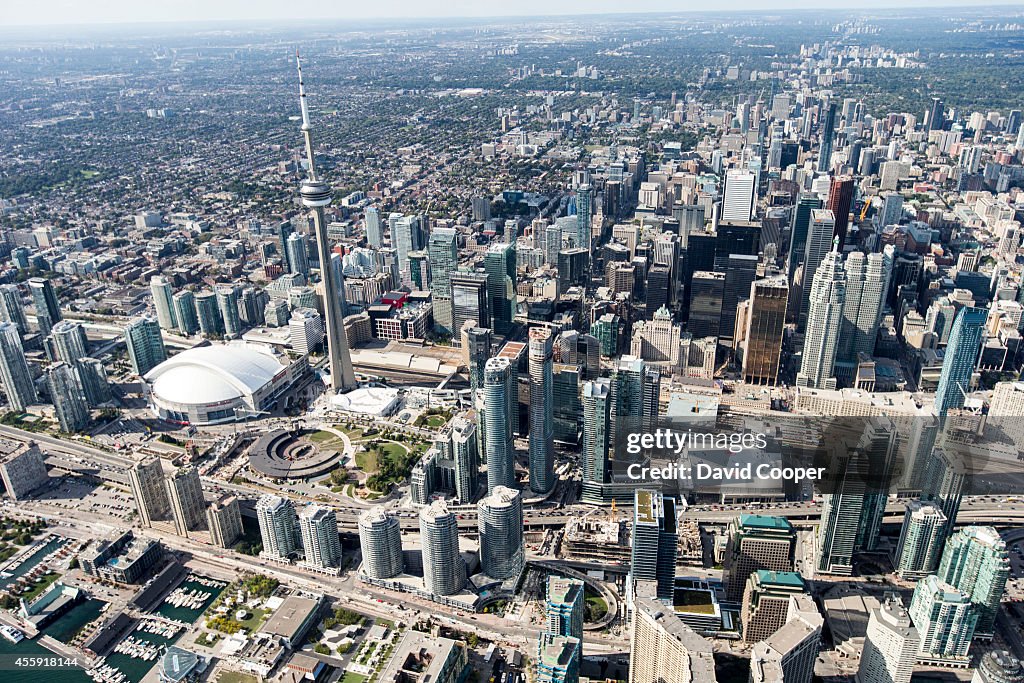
(219, 383)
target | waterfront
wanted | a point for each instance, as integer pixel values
(29, 563)
(64, 629)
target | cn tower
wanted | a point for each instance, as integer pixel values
(316, 194)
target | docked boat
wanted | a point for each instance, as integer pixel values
(12, 634)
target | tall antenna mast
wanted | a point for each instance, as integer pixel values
(307, 130)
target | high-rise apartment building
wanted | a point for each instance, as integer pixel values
(380, 541)
(975, 561)
(68, 397)
(960, 359)
(208, 314)
(444, 571)
(188, 507)
(224, 519)
(542, 455)
(564, 604)
(500, 399)
(44, 300)
(558, 659)
(321, 543)
(663, 649)
(163, 292)
(500, 524)
(277, 521)
(145, 345)
(147, 482)
(12, 310)
(921, 539)
(890, 646)
(15, 376)
(227, 305)
(596, 399)
(374, 230)
(945, 621)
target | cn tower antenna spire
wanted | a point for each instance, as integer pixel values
(307, 129)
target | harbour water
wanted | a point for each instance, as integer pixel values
(30, 562)
(65, 628)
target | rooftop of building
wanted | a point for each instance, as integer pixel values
(783, 579)
(765, 522)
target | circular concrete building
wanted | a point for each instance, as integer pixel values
(209, 385)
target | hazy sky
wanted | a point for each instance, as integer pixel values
(21, 12)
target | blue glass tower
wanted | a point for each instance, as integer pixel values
(961, 356)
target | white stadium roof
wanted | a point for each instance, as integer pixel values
(210, 374)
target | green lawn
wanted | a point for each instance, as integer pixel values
(255, 620)
(352, 677)
(596, 608)
(236, 677)
(695, 601)
(435, 421)
(39, 587)
(394, 450)
(366, 461)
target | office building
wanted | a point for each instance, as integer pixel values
(762, 344)
(819, 244)
(740, 273)
(740, 195)
(444, 571)
(564, 606)
(766, 599)
(824, 324)
(321, 543)
(145, 345)
(935, 117)
(380, 541)
(959, 361)
(944, 619)
(596, 399)
(799, 229)
(224, 519)
(12, 310)
(163, 292)
(828, 130)
(567, 410)
(188, 507)
(277, 521)
(840, 203)
(975, 561)
(921, 540)
(306, 330)
(22, 468)
(468, 302)
(69, 402)
(558, 659)
(663, 649)
(500, 399)
(500, 266)
(655, 541)
(500, 523)
(867, 281)
(756, 542)
(443, 251)
(707, 293)
(208, 314)
(542, 455)
(15, 376)
(890, 645)
(44, 300)
(789, 654)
